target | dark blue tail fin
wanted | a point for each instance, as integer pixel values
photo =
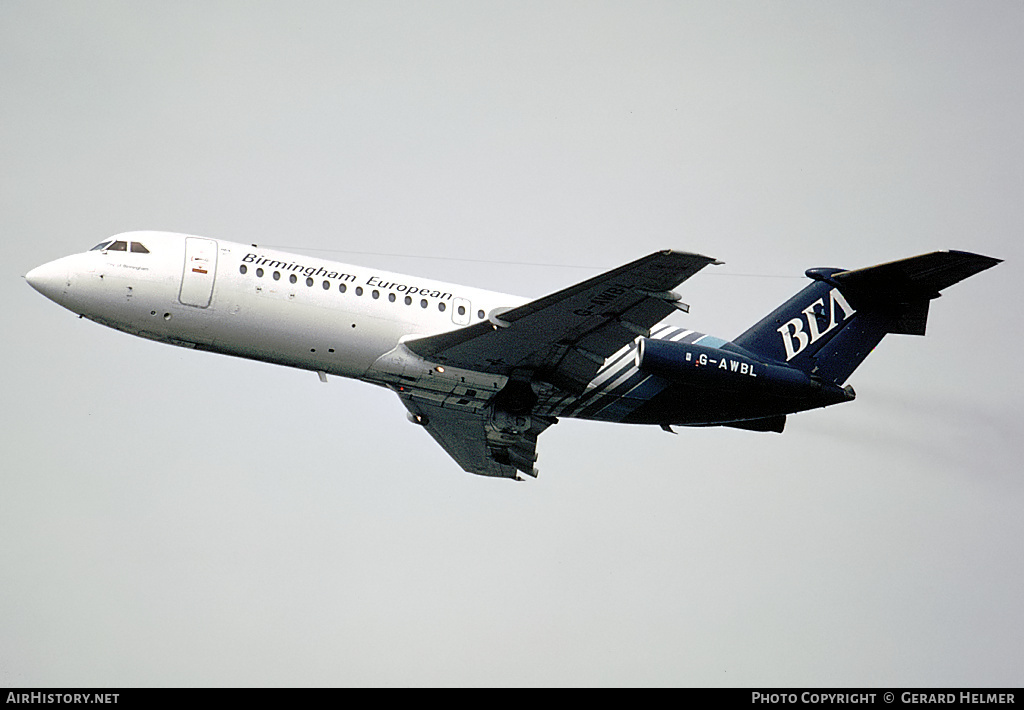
(831, 325)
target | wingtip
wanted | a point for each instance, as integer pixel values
(973, 255)
(689, 254)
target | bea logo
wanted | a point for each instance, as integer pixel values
(795, 339)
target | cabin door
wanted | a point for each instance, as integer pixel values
(200, 270)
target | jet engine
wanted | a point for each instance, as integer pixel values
(731, 370)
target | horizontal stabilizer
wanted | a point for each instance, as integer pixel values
(914, 279)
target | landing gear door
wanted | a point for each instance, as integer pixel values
(200, 271)
(460, 311)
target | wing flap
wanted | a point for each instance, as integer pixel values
(476, 442)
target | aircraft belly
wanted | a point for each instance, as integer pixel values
(613, 400)
(688, 405)
(302, 335)
(620, 408)
(636, 397)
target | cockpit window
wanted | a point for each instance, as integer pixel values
(118, 246)
(101, 245)
(138, 248)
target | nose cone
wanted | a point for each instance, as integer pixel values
(50, 279)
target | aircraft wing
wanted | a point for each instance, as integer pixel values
(474, 445)
(564, 338)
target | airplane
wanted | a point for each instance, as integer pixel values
(485, 373)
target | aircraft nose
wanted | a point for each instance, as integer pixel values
(50, 279)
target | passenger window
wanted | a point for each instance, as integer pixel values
(138, 248)
(118, 246)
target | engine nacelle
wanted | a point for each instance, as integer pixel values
(727, 370)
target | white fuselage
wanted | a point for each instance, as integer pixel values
(259, 303)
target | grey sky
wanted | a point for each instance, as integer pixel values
(178, 518)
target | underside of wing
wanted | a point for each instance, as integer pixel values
(477, 441)
(564, 338)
